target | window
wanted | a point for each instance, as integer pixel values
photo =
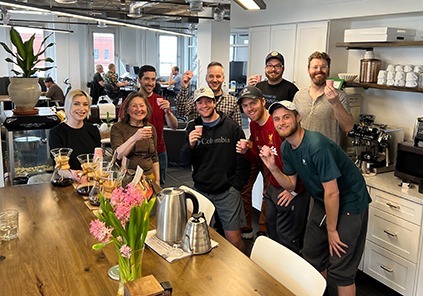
(96, 57)
(106, 55)
(238, 47)
(168, 54)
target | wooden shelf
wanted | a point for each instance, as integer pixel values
(379, 86)
(370, 45)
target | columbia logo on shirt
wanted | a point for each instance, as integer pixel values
(220, 140)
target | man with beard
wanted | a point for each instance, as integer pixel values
(275, 88)
(224, 102)
(322, 107)
(336, 229)
(160, 113)
(286, 212)
(219, 173)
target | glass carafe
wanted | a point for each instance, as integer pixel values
(62, 175)
(88, 165)
(101, 173)
(110, 182)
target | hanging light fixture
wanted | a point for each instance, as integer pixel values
(195, 5)
(66, 1)
(135, 9)
(251, 4)
(219, 13)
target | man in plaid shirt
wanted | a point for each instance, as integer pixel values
(224, 102)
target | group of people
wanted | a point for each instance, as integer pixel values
(294, 143)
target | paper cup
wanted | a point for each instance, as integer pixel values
(244, 143)
(159, 101)
(148, 127)
(199, 128)
(258, 77)
(329, 83)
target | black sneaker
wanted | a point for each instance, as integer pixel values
(259, 233)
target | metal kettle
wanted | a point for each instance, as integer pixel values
(171, 214)
(197, 238)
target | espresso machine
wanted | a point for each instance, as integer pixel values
(375, 145)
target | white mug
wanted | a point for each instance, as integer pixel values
(411, 76)
(390, 67)
(400, 82)
(381, 81)
(390, 82)
(399, 75)
(411, 84)
(399, 68)
(418, 68)
(390, 75)
(408, 68)
(381, 74)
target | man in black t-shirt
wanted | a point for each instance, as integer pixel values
(97, 85)
(275, 88)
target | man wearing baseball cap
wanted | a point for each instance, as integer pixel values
(284, 212)
(54, 91)
(275, 88)
(337, 225)
(219, 173)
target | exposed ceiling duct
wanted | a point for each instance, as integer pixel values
(195, 5)
(219, 13)
(135, 9)
(65, 1)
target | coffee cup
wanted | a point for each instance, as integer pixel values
(411, 76)
(265, 151)
(381, 81)
(390, 75)
(418, 68)
(390, 82)
(199, 129)
(411, 83)
(329, 82)
(399, 68)
(258, 77)
(399, 75)
(244, 143)
(159, 101)
(390, 67)
(399, 82)
(408, 68)
(381, 74)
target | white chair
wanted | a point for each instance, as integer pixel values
(204, 204)
(299, 276)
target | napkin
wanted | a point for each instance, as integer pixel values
(162, 248)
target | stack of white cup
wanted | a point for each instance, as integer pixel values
(401, 75)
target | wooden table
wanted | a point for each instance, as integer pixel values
(53, 254)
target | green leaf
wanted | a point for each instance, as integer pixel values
(16, 39)
(7, 49)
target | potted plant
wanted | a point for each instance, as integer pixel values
(24, 90)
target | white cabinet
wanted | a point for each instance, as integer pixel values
(393, 252)
(294, 41)
(311, 37)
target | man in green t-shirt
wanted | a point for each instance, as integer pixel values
(337, 226)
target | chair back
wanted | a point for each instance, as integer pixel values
(295, 273)
(204, 204)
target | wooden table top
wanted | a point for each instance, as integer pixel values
(53, 254)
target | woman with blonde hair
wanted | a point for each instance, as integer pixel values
(75, 132)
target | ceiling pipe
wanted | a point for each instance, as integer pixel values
(135, 9)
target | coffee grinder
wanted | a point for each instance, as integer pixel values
(418, 131)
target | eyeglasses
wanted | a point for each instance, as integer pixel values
(315, 68)
(277, 67)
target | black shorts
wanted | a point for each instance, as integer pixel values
(352, 231)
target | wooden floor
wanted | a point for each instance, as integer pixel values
(366, 286)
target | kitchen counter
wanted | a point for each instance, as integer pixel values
(389, 183)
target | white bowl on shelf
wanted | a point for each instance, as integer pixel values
(347, 76)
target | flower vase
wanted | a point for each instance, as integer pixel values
(129, 268)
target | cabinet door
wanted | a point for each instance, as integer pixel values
(282, 39)
(258, 48)
(311, 37)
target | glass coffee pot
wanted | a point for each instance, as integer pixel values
(89, 164)
(62, 175)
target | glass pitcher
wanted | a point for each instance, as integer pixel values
(101, 173)
(88, 165)
(62, 175)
